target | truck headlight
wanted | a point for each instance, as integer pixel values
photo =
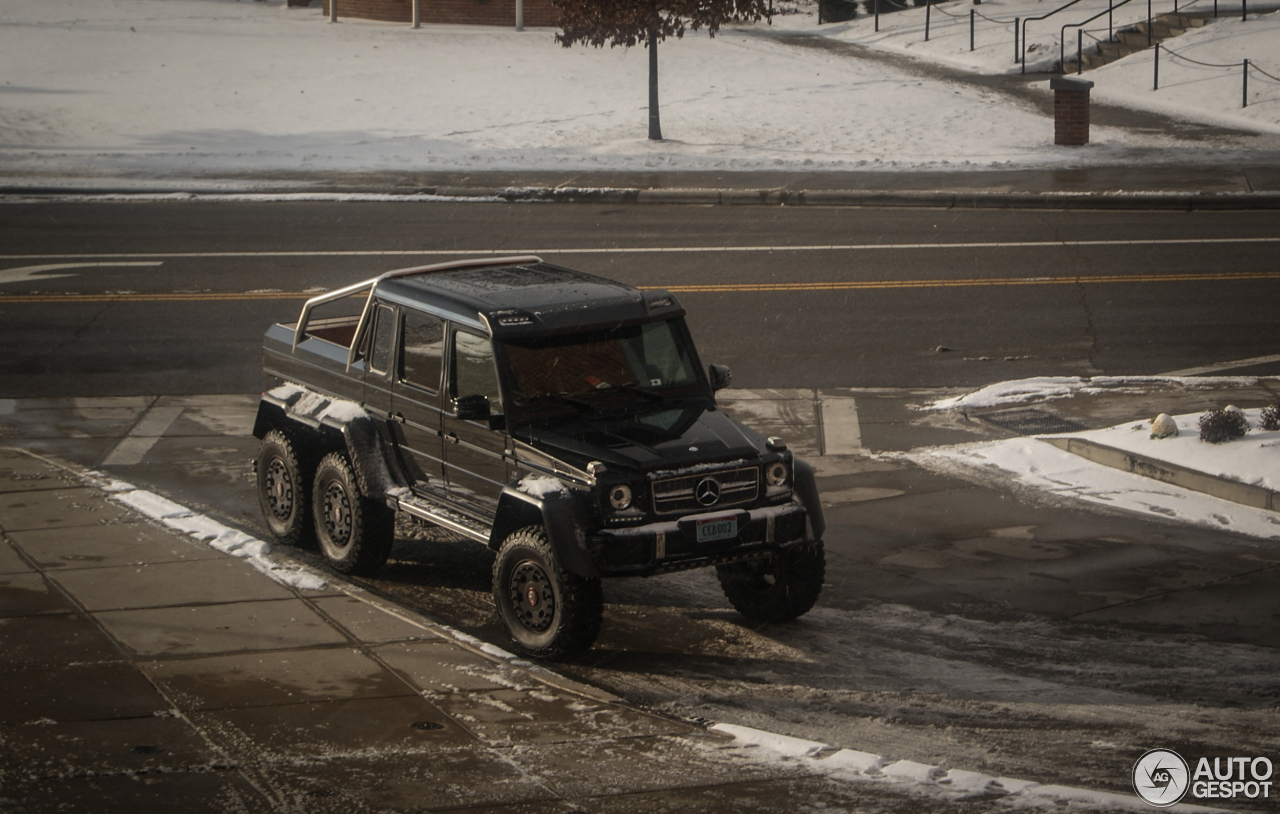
(775, 474)
(620, 497)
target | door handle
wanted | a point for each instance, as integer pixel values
(398, 417)
(452, 438)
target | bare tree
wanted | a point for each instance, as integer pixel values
(631, 22)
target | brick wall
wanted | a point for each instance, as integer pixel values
(1070, 116)
(537, 13)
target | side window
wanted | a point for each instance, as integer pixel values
(472, 370)
(384, 334)
(423, 347)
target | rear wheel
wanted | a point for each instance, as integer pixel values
(550, 613)
(355, 532)
(776, 589)
(286, 465)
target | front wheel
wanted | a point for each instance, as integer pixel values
(354, 531)
(776, 589)
(550, 613)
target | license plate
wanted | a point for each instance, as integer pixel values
(717, 528)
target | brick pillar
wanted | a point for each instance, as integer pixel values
(1070, 110)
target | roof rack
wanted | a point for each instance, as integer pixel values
(372, 283)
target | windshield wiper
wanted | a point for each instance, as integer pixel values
(634, 388)
(562, 397)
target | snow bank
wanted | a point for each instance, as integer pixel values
(1044, 388)
(227, 540)
(1037, 465)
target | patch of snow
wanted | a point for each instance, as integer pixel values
(1014, 392)
(1044, 388)
(913, 771)
(541, 486)
(1245, 460)
(971, 782)
(861, 767)
(150, 504)
(1035, 464)
(852, 760)
(227, 540)
(782, 744)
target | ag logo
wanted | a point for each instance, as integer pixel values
(1161, 777)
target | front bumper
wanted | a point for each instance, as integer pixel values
(673, 545)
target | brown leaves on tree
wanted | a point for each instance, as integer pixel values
(630, 22)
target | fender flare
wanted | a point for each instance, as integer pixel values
(560, 513)
(806, 486)
(358, 436)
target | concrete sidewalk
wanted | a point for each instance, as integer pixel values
(146, 671)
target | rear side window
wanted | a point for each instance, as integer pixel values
(384, 334)
(423, 348)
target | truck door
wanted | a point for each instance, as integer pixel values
(415, 409)
(474, 455)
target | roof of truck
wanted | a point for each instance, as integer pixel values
(527, 296)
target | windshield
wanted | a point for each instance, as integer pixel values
(645, 361)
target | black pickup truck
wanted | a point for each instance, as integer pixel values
(561, 419)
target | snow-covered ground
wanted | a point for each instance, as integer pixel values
(1187, 91)
(1030, 463)
(174, 88)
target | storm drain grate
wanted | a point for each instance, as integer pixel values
(1031, 422)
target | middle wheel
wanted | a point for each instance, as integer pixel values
(549, 612)
(354, 531)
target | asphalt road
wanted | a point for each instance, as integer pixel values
(172, 297)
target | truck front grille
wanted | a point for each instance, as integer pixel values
(733, 487)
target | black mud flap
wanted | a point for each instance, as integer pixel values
(366, 450)
(560, 513)
(806, 486)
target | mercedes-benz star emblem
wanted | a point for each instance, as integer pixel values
(707, 491)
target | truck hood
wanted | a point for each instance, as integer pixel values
(661, 439)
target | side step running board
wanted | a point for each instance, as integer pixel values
(445, 519)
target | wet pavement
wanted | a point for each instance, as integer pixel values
(963, 628)
(146, 671)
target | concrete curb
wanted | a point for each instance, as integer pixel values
(1136, 200)
(1243, 493)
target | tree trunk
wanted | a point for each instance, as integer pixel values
(655, 126)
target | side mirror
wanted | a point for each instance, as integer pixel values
(720, 376)
(472, 408)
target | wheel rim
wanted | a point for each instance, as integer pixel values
(531, 597)
(337, 515)
(279, 488)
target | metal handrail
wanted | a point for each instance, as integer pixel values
(1062, 34)
(1022, 56)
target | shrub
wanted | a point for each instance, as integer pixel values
(1217, 426)
(1270, 418)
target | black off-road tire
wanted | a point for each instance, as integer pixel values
(550, 613)
(355, 532)
(286, 466)
(776, 589)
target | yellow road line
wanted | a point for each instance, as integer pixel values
(708, 288)
(976, 282)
